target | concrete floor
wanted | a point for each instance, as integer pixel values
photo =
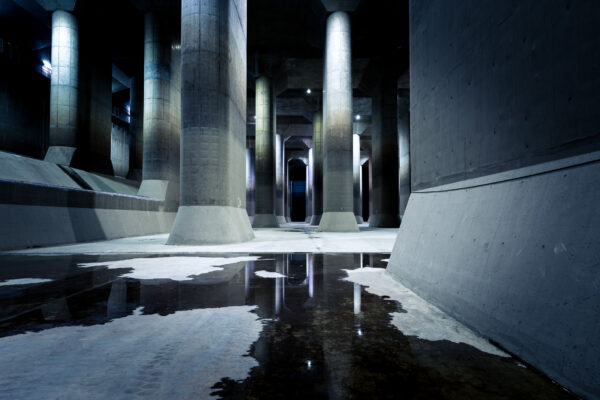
(290, 238)
(266, 326)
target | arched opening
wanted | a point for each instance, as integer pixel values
(297, 190)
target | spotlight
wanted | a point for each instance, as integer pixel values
(357, 117)
(308, 91)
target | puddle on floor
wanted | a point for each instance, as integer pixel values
(263, 326)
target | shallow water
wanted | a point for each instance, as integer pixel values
(264, 327)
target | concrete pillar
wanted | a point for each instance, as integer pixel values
(160, 140)
(136, 123)
(250, 182)
(357, 187)
(64, 88)
(213, 125)
(404, 151)
(279, 180)
(384, 138)
(338, 199)
(309, 188)
(317, 175)
(265, 152)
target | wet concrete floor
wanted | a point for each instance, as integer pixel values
(267, 326)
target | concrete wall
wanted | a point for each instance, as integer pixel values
(513, 253)
(119, 149)
(497, 85)
(36, 215)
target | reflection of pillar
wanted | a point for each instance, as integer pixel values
(310, 273)
(278, 284)
(248, 271)
(404, 151)
(317, 174)
(116, 305)
(213, 126)
(264, 155)
(357, 187)
(160, 142)
(279, 180)
(384, 140)
(309, 190)
(64, 88)
(357, 298)
(338, 198)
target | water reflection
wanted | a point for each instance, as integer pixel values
(321, 337)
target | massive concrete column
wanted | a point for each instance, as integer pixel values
(357, 187)
(136, 123)
(265, 152)
(317, 175)
(279, 180)
(309, 187)
(213, 124)
(338, 201)
(160, 141)
(404, 150)
(64, 88)
(384, 138)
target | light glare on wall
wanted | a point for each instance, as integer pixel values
(46, 67)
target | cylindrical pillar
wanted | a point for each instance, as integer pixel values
(384, 138)
(64, 88)
(136, 123)
(213, 124)
(404, 150)
(357, 187)
(159, 137)
(279, 180)
(338, 196)
(265, 152)
(309, 189)
(317, 175)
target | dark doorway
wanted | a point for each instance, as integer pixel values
(297, 176)
(366, 185)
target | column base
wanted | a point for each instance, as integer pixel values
(281, 220)
(359, 219)
(315, 220)
(338, 222)
(265, 221)
(210, 225)
(62, 155)
(384, 221)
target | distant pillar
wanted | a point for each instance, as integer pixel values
(279, 180)
(136, 123)
(357, 187)
(250, 181)
(160, 139)
(404, 151)
(309, 187)
(384, 139)
(265, 154)
(338, 197)
(317, 175)
(213, 124)
(64, 88)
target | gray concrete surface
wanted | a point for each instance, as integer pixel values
(64, 88)
(265, 155)
(317, 175)
(136, 123)
(504, 83)
(517, 261)
(161, 138)
(404, 151)
(338, 198)
(213, 126)
(357, 187)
